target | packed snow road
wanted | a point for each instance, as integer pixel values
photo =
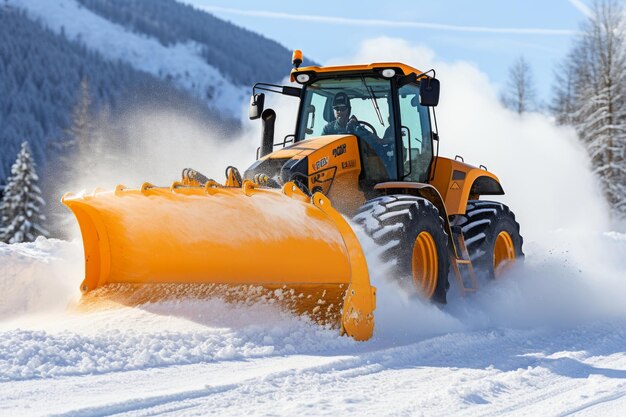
(547, 340)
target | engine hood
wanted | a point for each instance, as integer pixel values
(304, 148)
(292, 161)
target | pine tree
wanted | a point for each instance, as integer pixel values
(520, 92)
(593, 98)
(20, 208)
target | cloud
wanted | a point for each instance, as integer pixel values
(386, 23)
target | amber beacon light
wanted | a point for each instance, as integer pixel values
(296, 58)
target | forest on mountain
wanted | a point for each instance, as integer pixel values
(40, 78)
(243, 56)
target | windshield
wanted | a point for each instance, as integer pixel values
(358, 106)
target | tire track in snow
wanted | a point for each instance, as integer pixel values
(135, 391)
(592, 407)
(144, 403)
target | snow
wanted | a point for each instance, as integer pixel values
(391, 214)
(182, 61)
(546, 340)
(38, 276)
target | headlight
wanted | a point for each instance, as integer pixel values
(388, 73)
(303, 78)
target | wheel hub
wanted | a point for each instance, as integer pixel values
(425, 264)
(503, 253)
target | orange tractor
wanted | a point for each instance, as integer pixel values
(365, 146)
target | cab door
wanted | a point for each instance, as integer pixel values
(417, 145)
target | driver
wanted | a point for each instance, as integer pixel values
(343, 123)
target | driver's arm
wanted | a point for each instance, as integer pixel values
(353, 125)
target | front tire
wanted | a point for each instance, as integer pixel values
(411, 232)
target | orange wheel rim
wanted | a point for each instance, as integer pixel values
(425, 264)
(503, 253)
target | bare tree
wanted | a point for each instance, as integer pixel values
(520, 94)
(591, 95)
(566, 88)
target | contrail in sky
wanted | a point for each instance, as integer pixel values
(388, 23)
(582, 7)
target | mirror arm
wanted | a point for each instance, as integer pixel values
(407, 79)
(412, 78)
(424, 73)
(292, 91)
(280, 89)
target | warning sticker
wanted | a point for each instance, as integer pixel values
(455, 186)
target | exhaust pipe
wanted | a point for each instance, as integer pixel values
(267, 142)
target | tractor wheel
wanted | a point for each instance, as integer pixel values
(492, 237)
(412, 233)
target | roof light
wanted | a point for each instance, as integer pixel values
(303, 78)
(388, 73)
(296, 58)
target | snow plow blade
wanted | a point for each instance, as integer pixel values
(245, 242)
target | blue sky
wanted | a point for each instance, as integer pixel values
(490, 33)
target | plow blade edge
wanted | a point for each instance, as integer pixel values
(143, 244)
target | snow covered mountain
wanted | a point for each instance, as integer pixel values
(211, 58)
(189, 61)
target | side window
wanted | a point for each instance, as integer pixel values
(314, 116)
(416, 137)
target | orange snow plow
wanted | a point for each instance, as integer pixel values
(366, 139)
(244, 242)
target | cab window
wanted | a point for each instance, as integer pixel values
(417, 144)
(366, 99)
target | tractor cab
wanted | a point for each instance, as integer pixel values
(392, 127)
(386, 106)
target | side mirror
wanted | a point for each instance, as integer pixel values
(257, 102)
(429, 92)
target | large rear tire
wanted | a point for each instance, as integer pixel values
(411, 232)
(492, 236)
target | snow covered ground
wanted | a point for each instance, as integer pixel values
(547, 340)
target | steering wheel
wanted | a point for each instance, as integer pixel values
(369, 126)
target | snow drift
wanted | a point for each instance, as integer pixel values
(39, 276)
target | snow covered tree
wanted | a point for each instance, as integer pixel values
(21, 219)
(593, 97)
(520, 92)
